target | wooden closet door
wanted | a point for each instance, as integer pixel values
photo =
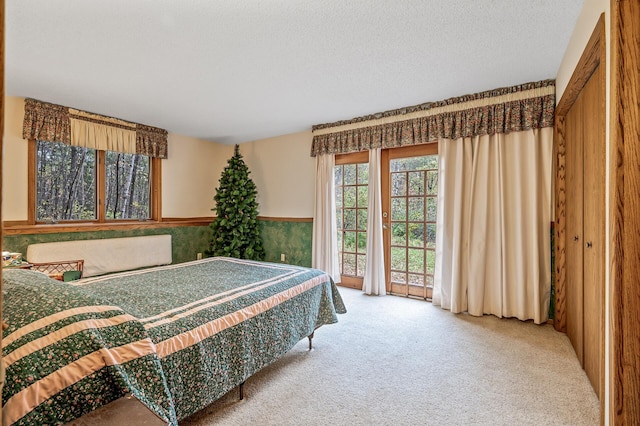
(574, 219)
(594, 228)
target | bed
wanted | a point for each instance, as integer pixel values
(175, 337)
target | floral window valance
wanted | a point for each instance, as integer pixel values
(512, 109)
(57, 123)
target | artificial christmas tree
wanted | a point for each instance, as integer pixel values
(235, 229)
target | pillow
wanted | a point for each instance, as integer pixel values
(71, 275)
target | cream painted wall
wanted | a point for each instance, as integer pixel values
(589, 15)
(189, 176)
(591, 11)
(14, 162)
(284, 173)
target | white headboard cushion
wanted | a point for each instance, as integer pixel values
(106, 255)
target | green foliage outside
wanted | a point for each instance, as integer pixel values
(236, 232)
(414, 181)
(67, 183)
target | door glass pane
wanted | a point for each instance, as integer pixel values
(362, 219)
(398, 209)
(349, 241)
(363, 174)
(399, 277)
(398, 259)
(363, 197)
(416, 279)
(399, 233)
(431, 209)
(416, 260)
(351, 198)
(431, 235)
(416, 235)
(408, 164)
(414, 185)
(349, 219)
(349, 264)
(432, 183)
(416, 208)
(398, 184)
(349, 174)
(362, 242)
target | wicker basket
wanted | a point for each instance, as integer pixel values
(56, 270)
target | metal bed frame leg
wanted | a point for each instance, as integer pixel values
(241, 386)
(310, 343)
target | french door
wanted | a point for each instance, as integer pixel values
(351, 178)
(409, 188)
(409, 206)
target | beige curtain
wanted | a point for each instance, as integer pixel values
(98, 136)
(494, 202)
(374, 282)
(494, 210)
(324, 249)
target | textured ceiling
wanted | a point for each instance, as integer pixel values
(232, 71)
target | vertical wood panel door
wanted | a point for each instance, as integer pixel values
(585, 224)
(574, 218)
(593, 229)
(580, 197)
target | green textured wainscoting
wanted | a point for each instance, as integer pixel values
(291, 238)
(186, 241)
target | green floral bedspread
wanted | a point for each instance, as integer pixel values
(177, 337)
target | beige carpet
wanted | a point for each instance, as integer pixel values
(397, 361)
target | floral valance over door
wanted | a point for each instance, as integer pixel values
(57, 123)
(511, 109)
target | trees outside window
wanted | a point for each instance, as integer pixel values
(127, 186)
(352, 186)
(65, 182)
(82, 184)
